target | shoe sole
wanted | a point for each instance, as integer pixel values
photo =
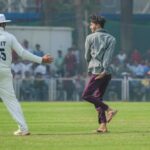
(101, 131)
(114, 113)
(27, 134)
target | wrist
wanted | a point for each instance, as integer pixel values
(104, 72)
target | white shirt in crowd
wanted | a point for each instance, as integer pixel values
(16, 67)
(40, 69)
(121, 57)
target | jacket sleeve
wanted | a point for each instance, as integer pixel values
(87, 50)
(24, 54)
(109, 54)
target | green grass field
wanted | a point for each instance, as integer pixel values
(71, 125)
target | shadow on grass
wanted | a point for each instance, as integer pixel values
(82, 133)
(127, 132)
(91, 133)
(57, 134)
(71, 133)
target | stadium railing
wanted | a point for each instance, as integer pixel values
(70, 89)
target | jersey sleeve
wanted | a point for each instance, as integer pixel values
(24, 54)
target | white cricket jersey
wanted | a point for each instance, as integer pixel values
(8, 42)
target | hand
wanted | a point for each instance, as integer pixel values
(101, 75)
(47, 59)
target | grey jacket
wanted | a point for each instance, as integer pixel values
(99, 48)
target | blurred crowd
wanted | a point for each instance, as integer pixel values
(136, 68)
(136, 65)
(35, 76)
(69, 79)
(67, 65)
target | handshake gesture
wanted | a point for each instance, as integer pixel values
(47, 59)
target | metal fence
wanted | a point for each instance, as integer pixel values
(70, 89)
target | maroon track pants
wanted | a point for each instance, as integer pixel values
(94, 92)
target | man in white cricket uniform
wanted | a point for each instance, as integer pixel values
(8, 43)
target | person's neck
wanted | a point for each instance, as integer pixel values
(97, 29)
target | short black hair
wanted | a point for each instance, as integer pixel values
(97, 19)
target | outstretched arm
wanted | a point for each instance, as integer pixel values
(47, 59)
(27, 55)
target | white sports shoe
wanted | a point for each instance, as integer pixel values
(21, 133)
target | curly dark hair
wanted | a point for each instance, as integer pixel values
(97, 19)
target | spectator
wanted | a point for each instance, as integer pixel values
(136, 56)
(60, 89)
(123, 69)
(38, 51)
(137, 69)
(26, 67)
(135, 88)
(26, 87)
(40, 69)
(115, 67)
(79, 83)
(59, 63)
(40, 88)
(121, 57)
(70, 62)
(16, 68)
(146, 65)
(146, 88)
(20, 67)
(77, 56)
(48, 74)
(113, 91)
(69, 87)
(25, 44)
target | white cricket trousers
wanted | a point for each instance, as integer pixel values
(7, 94)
